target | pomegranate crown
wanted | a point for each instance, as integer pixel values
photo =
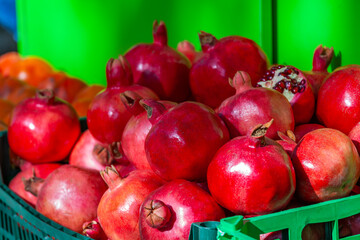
(160, 33)
(207, 41)
(118, 72)
(241, 81)
(322, 58)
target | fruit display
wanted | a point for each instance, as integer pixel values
(179, 136)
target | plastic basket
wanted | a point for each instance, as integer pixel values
(292, 221)
(18, 220)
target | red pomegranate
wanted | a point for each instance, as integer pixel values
(255, 173)
(338, 104)
(107, 114)
(92, 229)
(160, 67)
(354, 135)
(321, 61)
(315, 231)
(118, 210)
(349, 226)
(221, 60)
(188, 49)
(169, 211)
(27, 183)
(43, 129)
(303, 129)
(292, 83)
(135, 132)
(191, 132)
(70, 196)
(252, 106)
(327, 165)
(92, 154)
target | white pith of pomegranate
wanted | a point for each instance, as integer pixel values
(284, 79)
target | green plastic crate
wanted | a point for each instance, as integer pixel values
(18, 220)
(292, 221)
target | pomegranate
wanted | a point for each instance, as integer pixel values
(191, 132)
(315, 231)
(92, 154)
(321, 61)
(188, 49)
(222, 58)
(303, 129)
(327, 165)
(43, 129)
(354, 135)
(107, 115)
(92, 229)
(169, 211)
(135, 132)
(252, 106)
(255, 173)
(292, 83)
(70, 196)
(338, 104)
(118, 210)
(27, 183)
(288, 141)
(159, 67)
(349, 226)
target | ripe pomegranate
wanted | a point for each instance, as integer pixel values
(118, 210)
(252, 106)
(327, 165)
(135, 132)
(159, 67)
(169, 211)
(222, 58)
(188, 49)
(70, 196)
(92, 154)
(303, 129)
(107, 115)
(92, 229)
(191, 132)
(321, 61)
(315, 231)
(354, 135)
(292, 83)
(43, 129)
(27, 183)
(255, 173)
(338, 104)
(288, 141)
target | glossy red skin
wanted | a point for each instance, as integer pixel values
(107, 115)
(315, 79)
(256, 179)
(82, 156)
(247, 109)
(42, 132)
(338, 103)
(327, 165)
(161, 69)
(70, 196)
(188, 203)
(134, 135)
(288, 146)
(118, 210)
(41, 171)
(209, 75)
(354, 135)
(188, 49)
(303, 129)
(184, 140)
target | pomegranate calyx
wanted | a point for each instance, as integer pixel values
(157, 213)
(93, 229)
(47, 95)
(33, 184)
(115, 150)
(207, 41)
(111, 176)
(160, 33)
(153, 108)
(131, 100)
(288, 137)
(102, 154)
(241, 81)
(118, 73)
(322, 58)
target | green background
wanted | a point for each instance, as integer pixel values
(80, 36)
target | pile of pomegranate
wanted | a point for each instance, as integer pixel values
(180, 136)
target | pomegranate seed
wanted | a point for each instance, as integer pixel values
(295, 89)
(302, 82)
(293, 81)
(270, 77)
(280, 66)
(288, 85)
(301, 89)
(288, 71)
(279, 89)
(296, 71)
(267, 73)
(282, 83)
(262, 79)
(258, 85)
